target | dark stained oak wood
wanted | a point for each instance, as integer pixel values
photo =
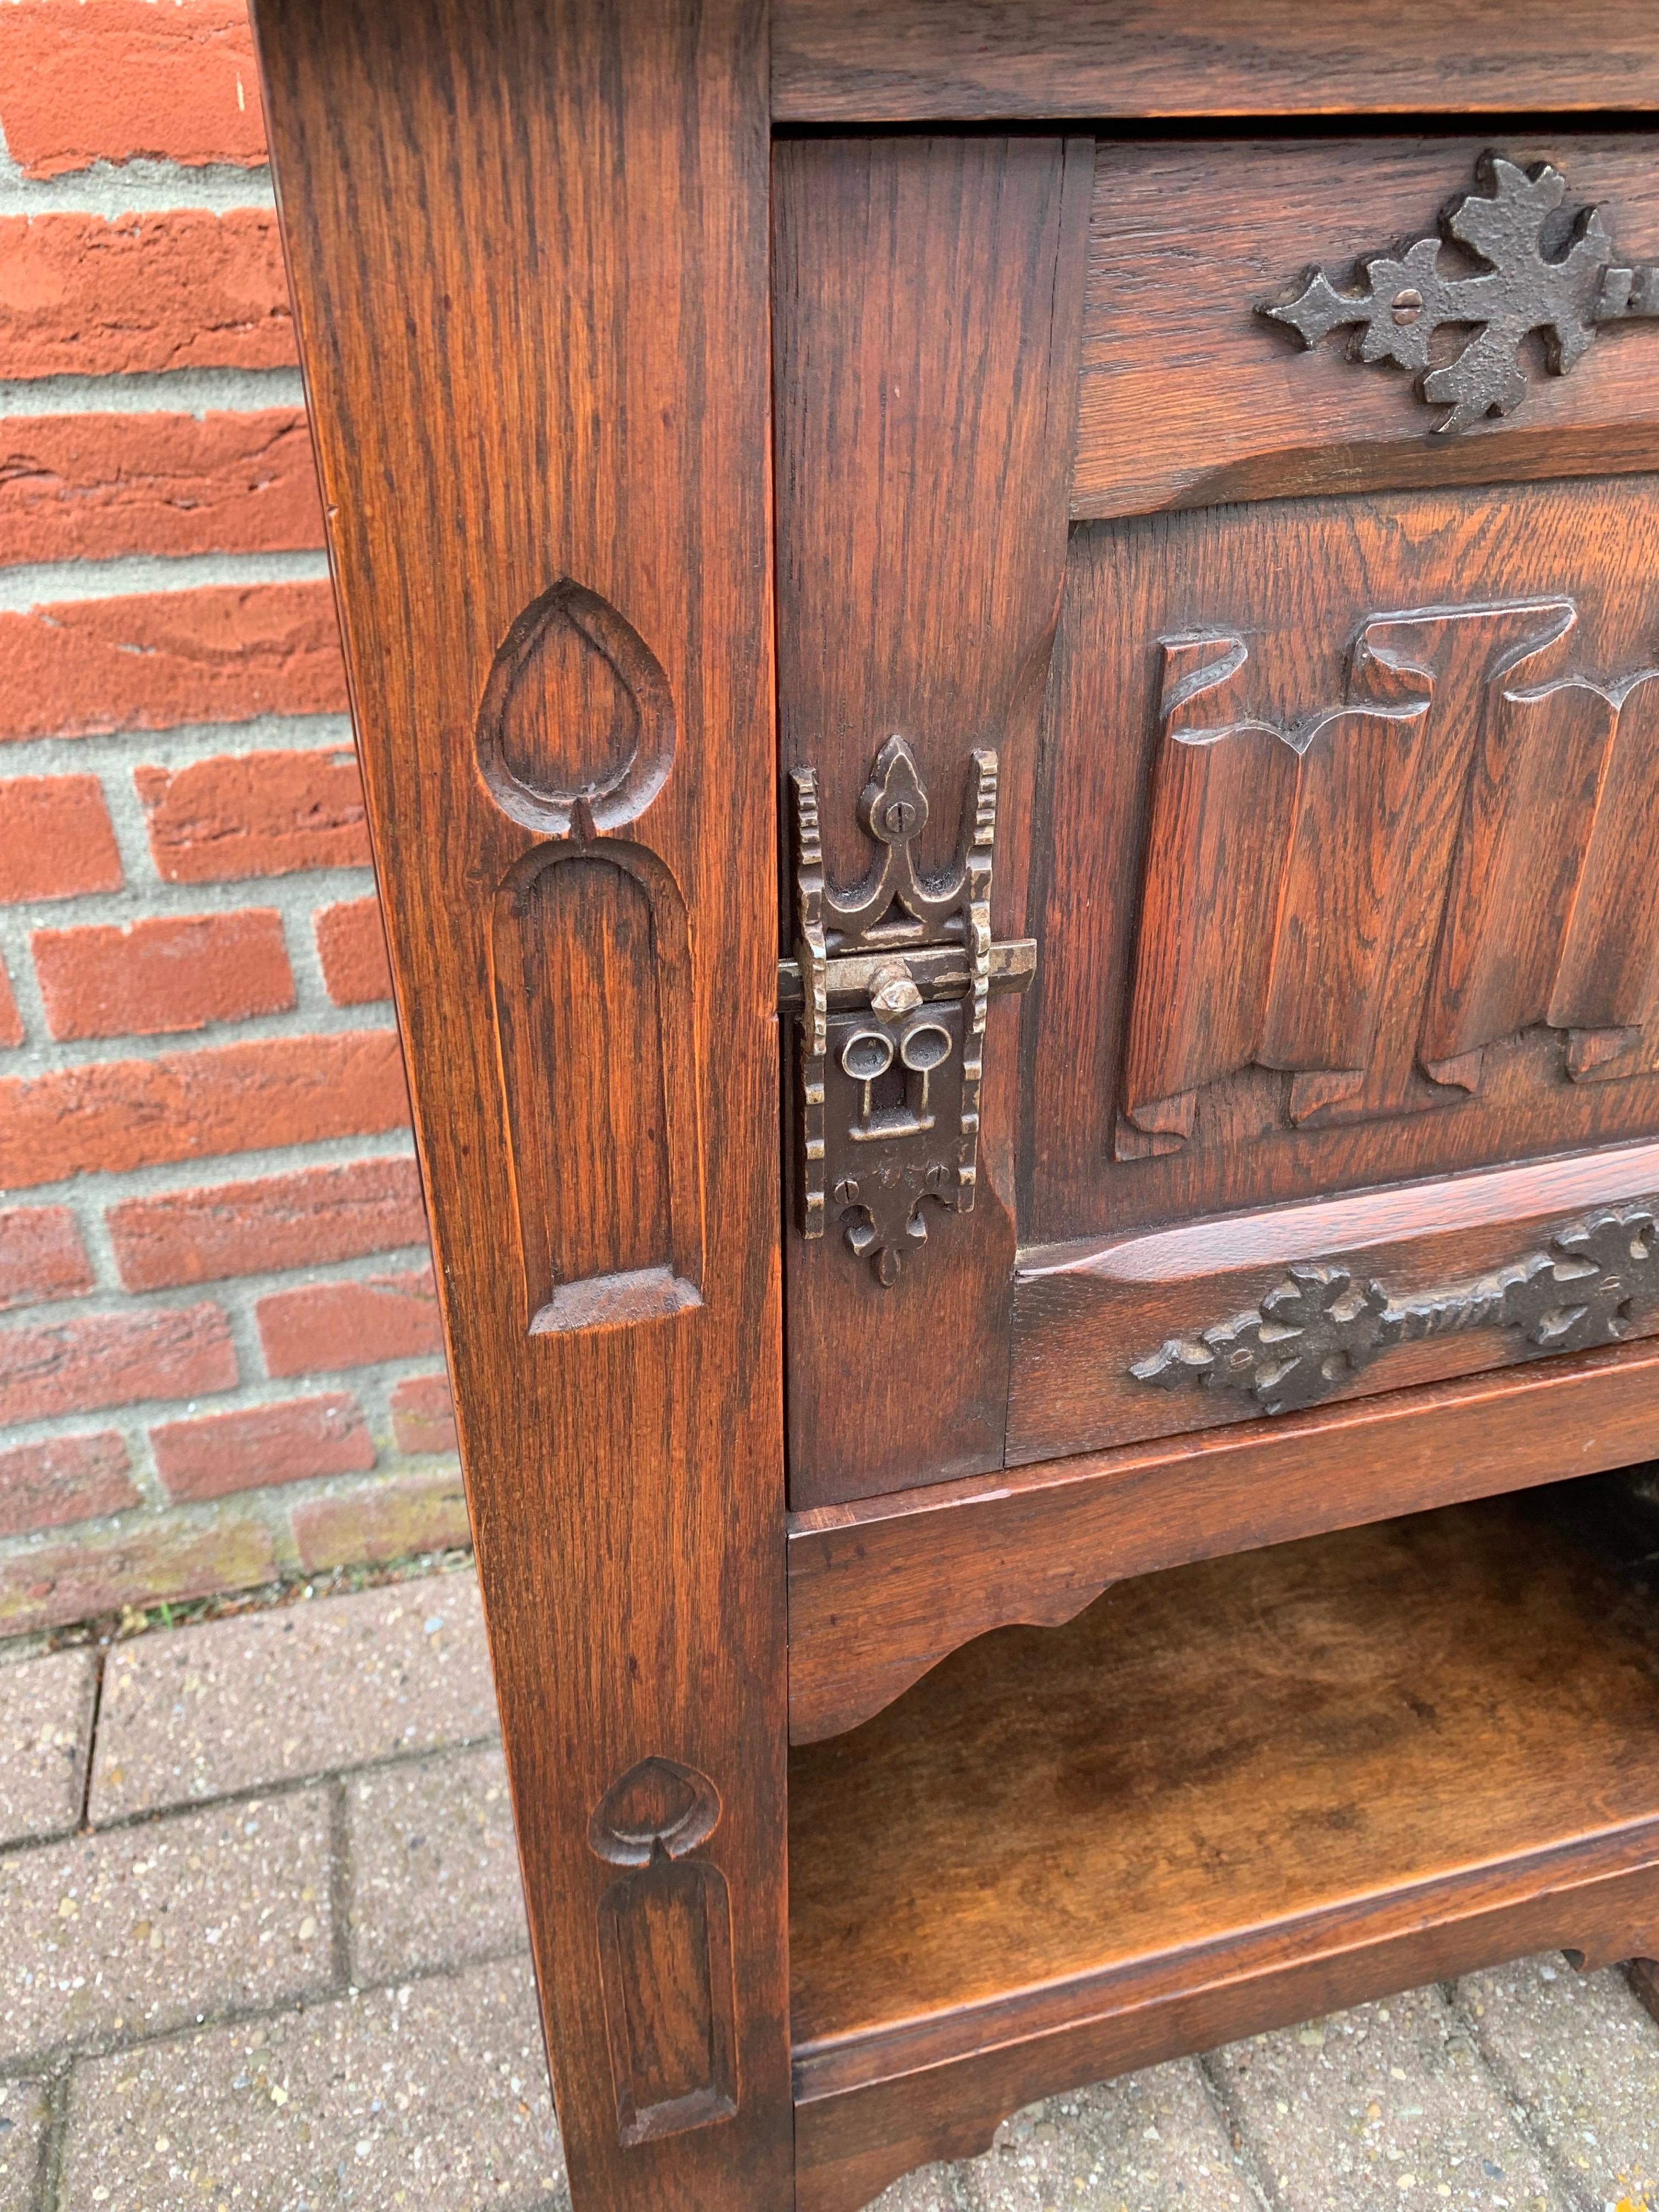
(922, 60)
(848, 2150)
(923, 466)
(1449, 611)
(880, 1592)
(1469, 1269)
(1324, 803)
(529, 251)
(1222, 1798)
(1189, 397)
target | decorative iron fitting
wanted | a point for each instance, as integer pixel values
(1322, 1325)
(892, 982)
(1560, 276)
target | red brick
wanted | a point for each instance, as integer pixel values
(333, 1325)
(163, 1557)
(153, 659)
(255, 814)
(73, 1366)
(41, 1255)
(164, 973)
(380, 1521)
(55, 841)
(423, 1416)
(86, 81)
(351, 943)
(221, 1452)
(284, 1221)
(125, 1114)
(89, 487)
(183, 288)
(67, 1479)
(11, 1022)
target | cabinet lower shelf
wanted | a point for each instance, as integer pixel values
(1228, 1796)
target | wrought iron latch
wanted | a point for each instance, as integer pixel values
(1537, 270)
(892, 981)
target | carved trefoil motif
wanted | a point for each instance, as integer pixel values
(1314, 1333)
(1561, 277)
(1369, 896)
(666, 1952)
(894, 980)
(590, 959)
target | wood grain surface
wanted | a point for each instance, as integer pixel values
(917, 61)
(1222, 1797)
(923, 466)
(1189, 397)
(1477, 618)
(1458, 1276)
(529, 252)
(1329, 804)
(880, 1592)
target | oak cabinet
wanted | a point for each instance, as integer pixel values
(1007, 664)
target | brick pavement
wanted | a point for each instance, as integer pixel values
(265, 1950)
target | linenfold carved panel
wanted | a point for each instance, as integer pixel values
(666, 1952)
(590, 959)
(1473, 790)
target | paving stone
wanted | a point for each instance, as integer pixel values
(46, 1728)
(149, 1927)
(1386, 2104)
(270, 1696)
(1151, 2143)
(929, 2189)
(434, 1873)
(432, 2098)
(1581, 2054)
(23, 2118)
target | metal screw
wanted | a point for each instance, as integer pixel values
(900, 817)
(1408, 307)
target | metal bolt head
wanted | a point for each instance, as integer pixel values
(893, 990)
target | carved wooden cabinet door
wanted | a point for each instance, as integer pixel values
(1219, 665)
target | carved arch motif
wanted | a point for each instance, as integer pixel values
(591, 974)
(592, 955)
(666, 1952)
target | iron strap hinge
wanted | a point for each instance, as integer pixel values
(892, 983)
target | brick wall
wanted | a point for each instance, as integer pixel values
(219, 1358)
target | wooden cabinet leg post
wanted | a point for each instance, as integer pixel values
(528, 245)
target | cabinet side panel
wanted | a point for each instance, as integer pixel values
(529, 252)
